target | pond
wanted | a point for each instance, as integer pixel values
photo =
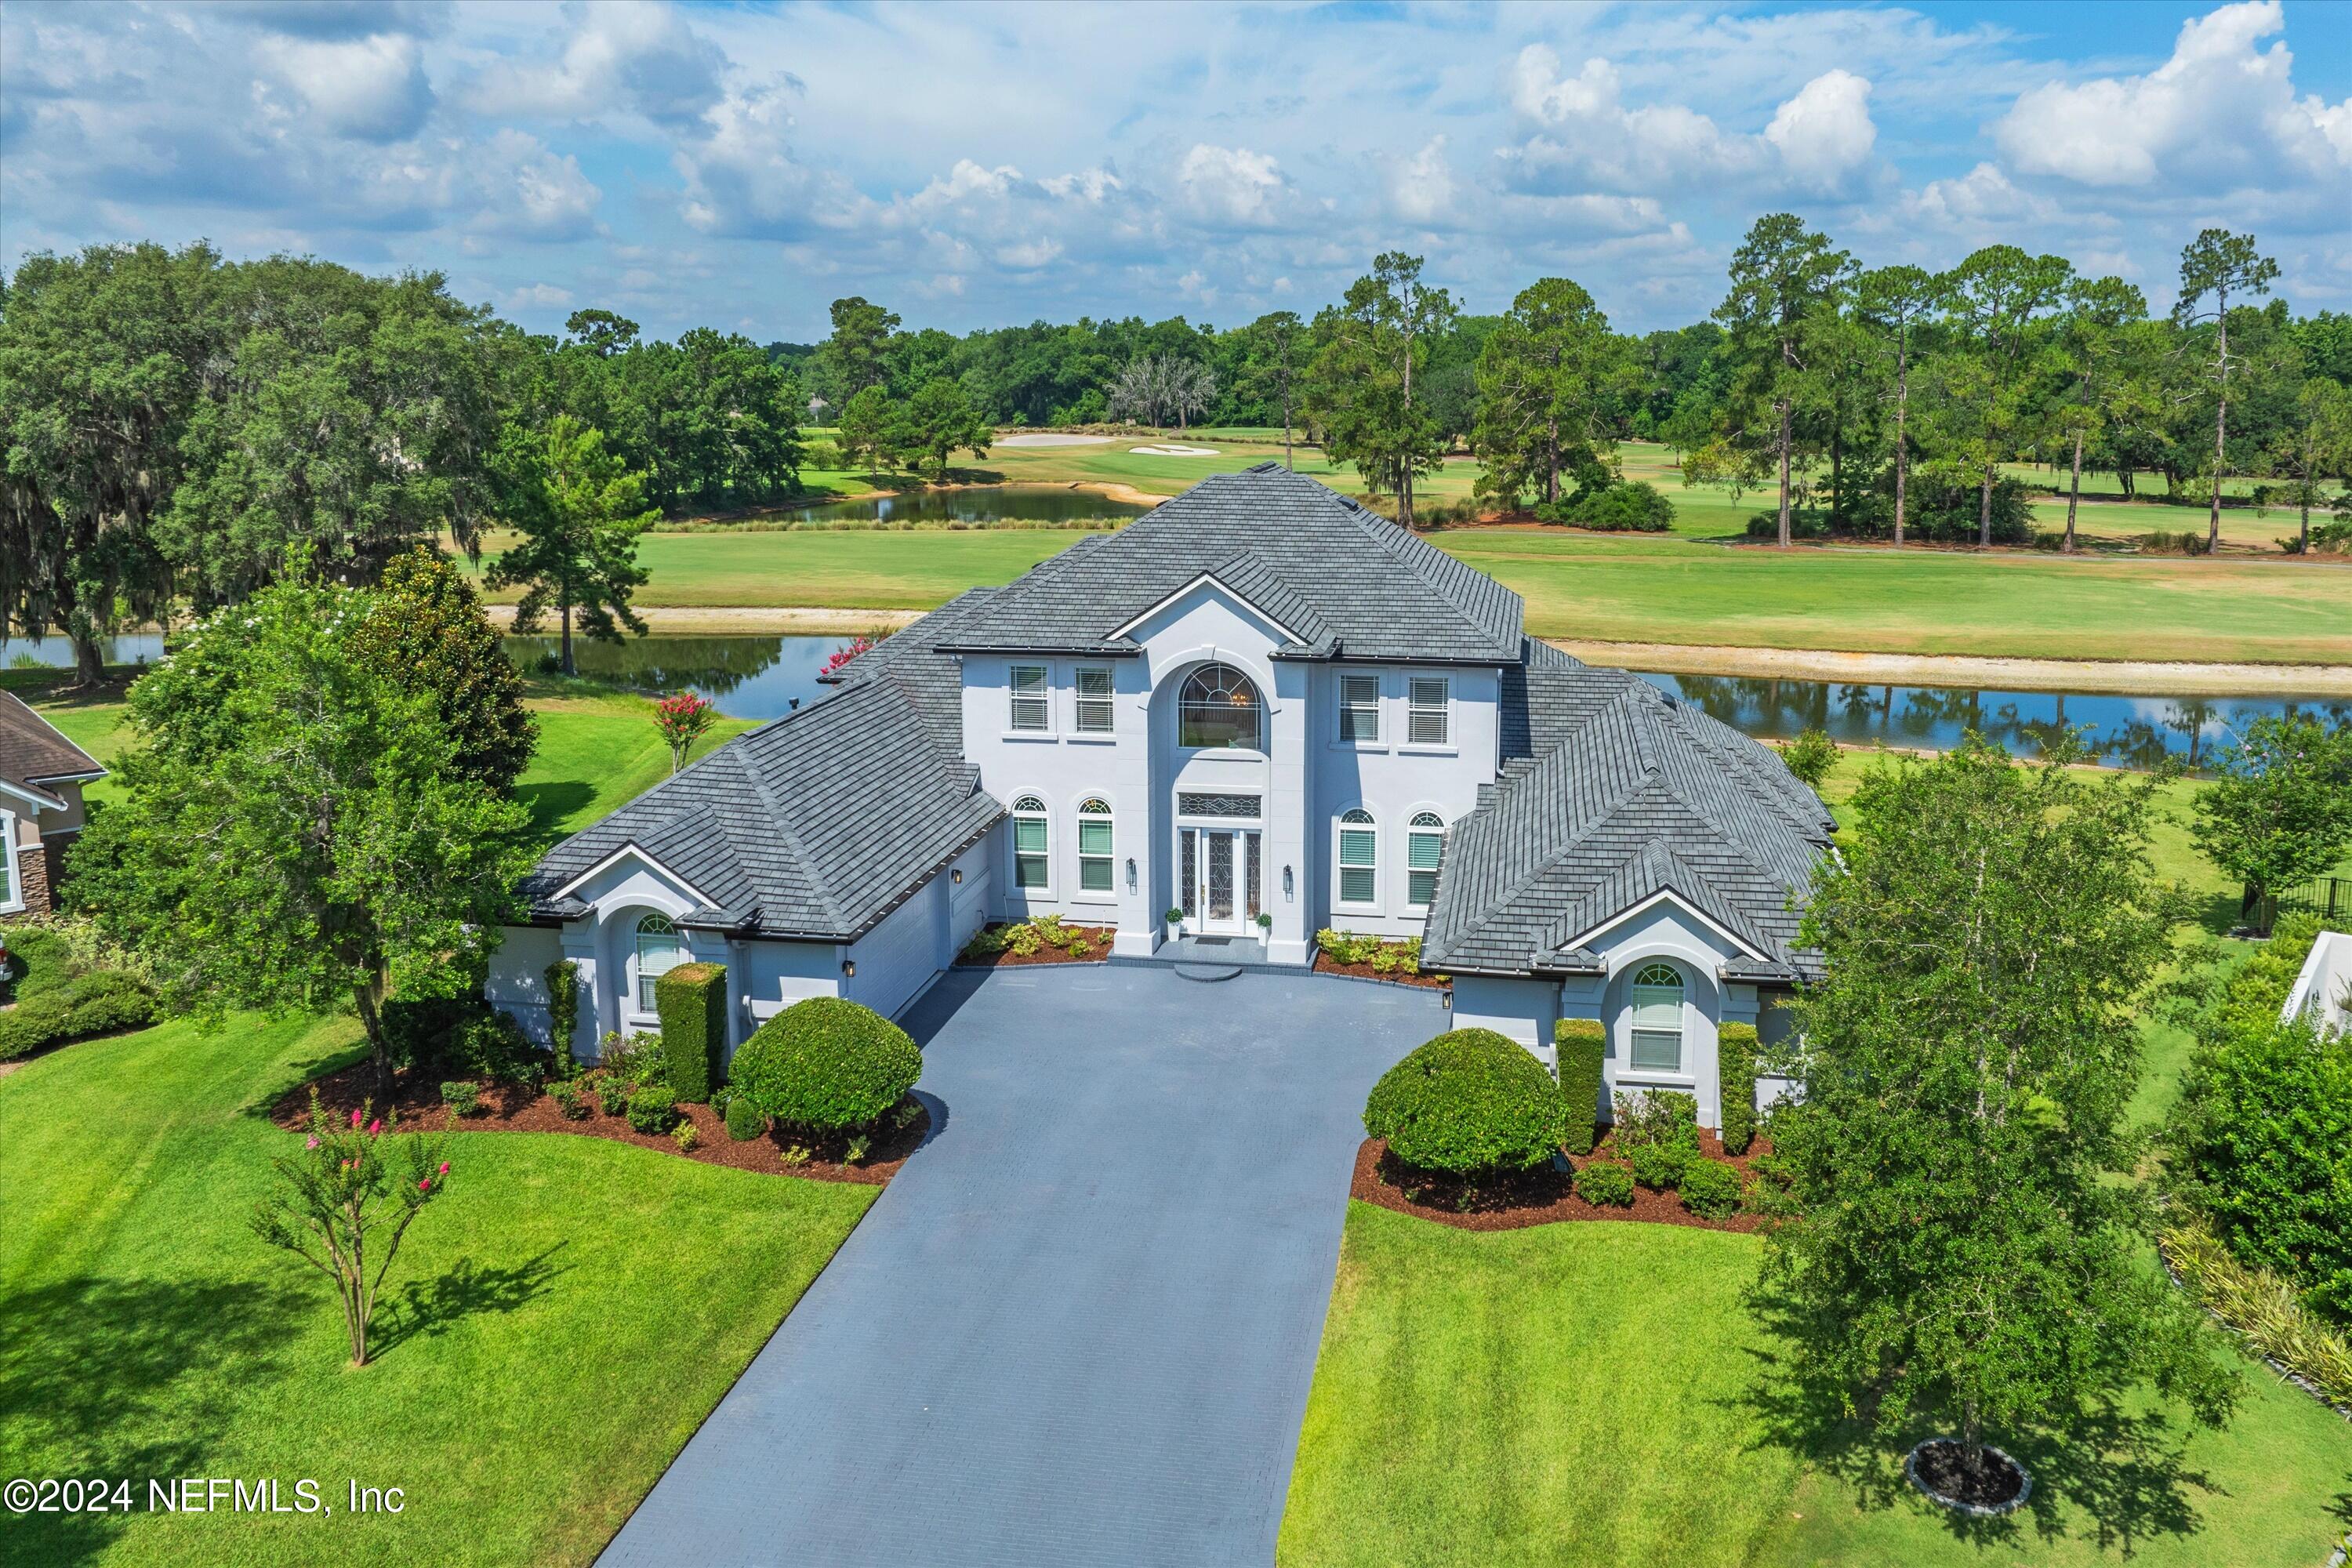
(978, 503)
(57, 653)
(763, 676)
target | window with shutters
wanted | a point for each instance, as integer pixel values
(1360, 871)
(1094, 846)
(1424, 847)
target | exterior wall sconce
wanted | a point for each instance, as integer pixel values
(1285, 882)
(956, 876)
(1445, 1000)
(1130, 873)
(849, 969)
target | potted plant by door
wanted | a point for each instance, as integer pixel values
(1175, 924)
(1264, 927)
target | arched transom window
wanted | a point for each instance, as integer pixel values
(1658, 1019)
(1218, 706)
(659, 951)
(1359, 858)
(1424, 846)
(1094, 846)
(1032, 830)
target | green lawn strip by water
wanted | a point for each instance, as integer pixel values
(552, 1332)
(1588, 1392)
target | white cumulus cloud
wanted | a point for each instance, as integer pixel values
(372, 90)
(1232, 184)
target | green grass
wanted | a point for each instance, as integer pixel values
(554, 1330)
(1591, 1393)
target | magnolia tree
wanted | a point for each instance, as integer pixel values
(344, 1203)
(683, 720)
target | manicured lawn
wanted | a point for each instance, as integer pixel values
(1587, 1394)
(554, 1331)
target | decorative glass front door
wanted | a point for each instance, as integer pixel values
(1218, 872)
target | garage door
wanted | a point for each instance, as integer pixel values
(897, 958)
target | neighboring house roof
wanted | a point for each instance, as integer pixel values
(35, 756)
(1612, 795)
(1343, 581)
(816, 825)
(2323, 990)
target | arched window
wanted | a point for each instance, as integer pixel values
(659, 951)
(1658, 1019)
(1359, 858)
(1424, 847)
(1218, 707)
(1030, 829)
(1094, 846)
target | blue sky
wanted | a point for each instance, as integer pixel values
(742, 165)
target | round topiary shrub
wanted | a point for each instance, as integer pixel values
(653, 1109)
(826, 1065)
(1710, 1189)
(744, 1122)
(1607, 1183)
(1469, 1101)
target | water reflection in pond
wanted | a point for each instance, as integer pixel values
(761, 677)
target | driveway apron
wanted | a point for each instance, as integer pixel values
(1080, 1324)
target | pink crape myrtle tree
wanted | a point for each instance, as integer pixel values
(847, 651)
(683, 720)
(346, 1199)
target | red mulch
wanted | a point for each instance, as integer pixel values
(510, 1108)
(1326, 965)
(1535, 1197)
(1098, 935)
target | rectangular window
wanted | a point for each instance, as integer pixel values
(1426, 711)
(1094, 703)
(1030, 704)
(1029, 852)
(1360, 708)
(1359, 873)
(1658, 1050)
(1422, 852)
(1094, 854)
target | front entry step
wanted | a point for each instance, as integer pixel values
(1208, 972)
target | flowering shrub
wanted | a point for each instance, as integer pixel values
(1385, 957)
(842, 656)
(346, 1202)
(683, 720)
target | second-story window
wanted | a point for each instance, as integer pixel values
(1425, 721)
(1360, 708)
(1094, 703)
(1032, 708)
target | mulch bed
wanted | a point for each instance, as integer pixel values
(1326, 964)
(1098, 935)
(510, 1108)
(1974, 1478)
(1540, 1196)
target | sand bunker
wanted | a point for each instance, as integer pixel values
(1047, 438)
(1172, 450)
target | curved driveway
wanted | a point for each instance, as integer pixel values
(1080, 1324)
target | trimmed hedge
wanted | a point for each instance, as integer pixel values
(691, 1001)
(1735, 1054)
(1607, 1183)
(827, 1065)
(744, 1122)
(651, 1110)
(1710, 1189)
(97, 1003)
(1469, 1101)
(1582, 1043)
(1658, 1166)
(563, 1013)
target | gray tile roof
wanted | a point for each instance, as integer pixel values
(1611, 793)
(816, 825)
(1347, 583)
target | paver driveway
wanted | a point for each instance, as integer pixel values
(1079, 1326)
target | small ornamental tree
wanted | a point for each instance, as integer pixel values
(843, 655)
(2281, 809)
(1956, 1243)
(683, 720)
(1812, 756)
(425, 629)
(346, 1202)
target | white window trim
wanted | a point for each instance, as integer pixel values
(1013, 729)
(1264, 713)
(1446, 747)
(1340, 739)
(1338, 869)
(1414, 829)
(1680, 1072)
(639, 1010)
(12, 883)
(1012, 847)
(1109, 700)
(1079, 893)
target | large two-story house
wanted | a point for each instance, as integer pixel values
(1260, 705)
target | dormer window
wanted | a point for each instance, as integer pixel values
(1218, 708)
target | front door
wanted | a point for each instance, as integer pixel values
(1218, 869)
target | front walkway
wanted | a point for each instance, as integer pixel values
(1079, 1326)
